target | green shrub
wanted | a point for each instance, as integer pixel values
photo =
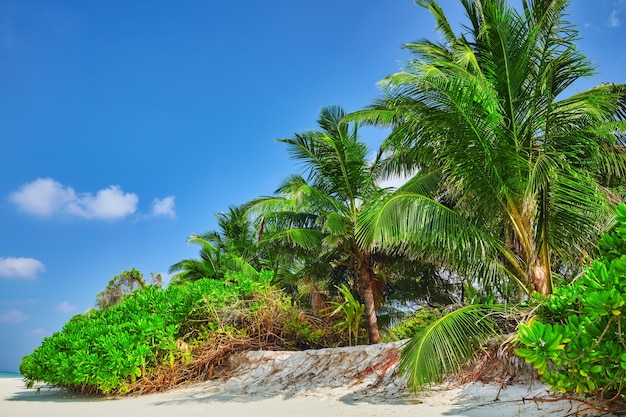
(415, 324)
(577, 342)
(108, 350)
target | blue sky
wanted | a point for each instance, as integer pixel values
(124, 126)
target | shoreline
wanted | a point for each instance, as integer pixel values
(473, 400)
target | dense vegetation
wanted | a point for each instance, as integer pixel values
(157, 338)
(511, 182)
(515, 178)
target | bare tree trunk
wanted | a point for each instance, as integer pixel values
(365, 280)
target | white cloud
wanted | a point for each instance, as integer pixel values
(164, 207)
(45, 197)
(110, 203)
(12, 317)
(20, 268)
(42, 197)
(614, 19)
(396, 181)
(66, 308)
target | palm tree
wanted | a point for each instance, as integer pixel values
(231, 248)
(521, 166)
(208, 266)
(316, 216)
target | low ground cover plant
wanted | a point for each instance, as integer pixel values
(158, 337)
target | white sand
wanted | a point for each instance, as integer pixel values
(208, 399)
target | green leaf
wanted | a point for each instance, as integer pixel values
(596, 369)
(446, 344)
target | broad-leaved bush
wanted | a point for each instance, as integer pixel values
(414, 325)
(577, 341)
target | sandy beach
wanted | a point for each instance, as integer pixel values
(209, 399)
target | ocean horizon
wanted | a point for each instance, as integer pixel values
(10, 375)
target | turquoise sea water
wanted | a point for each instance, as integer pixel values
(10, 375)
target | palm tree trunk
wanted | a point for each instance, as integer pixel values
(541, 279)
(537, 257)
(365, 280)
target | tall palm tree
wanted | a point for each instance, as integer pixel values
(317, 215)
(520, 158)
(520, 165)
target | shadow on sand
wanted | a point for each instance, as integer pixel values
(48, 393)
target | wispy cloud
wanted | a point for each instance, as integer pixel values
(38, 332)
(614, 20)
(12, 317)
(393, 182)
(164, 207)
(45, 197)
(65, 307)
(20, 268)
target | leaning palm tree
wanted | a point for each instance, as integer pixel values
(521, 165)
(316, 216)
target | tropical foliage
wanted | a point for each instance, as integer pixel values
(316, 216)
(511, 172)
(415, 324)
(446, 344)
(352, 311)
(519, 166)
(231, 248)
(512, 178)
(153, 332)
(577, 342)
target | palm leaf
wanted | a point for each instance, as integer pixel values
(448, 343)
(307, 239)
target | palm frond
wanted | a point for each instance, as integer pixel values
(443, 25)
(448, 343)
(336, 224)
(383, 117)
(407, 221)
(420, 227)
(424, 183)
(308, 239)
